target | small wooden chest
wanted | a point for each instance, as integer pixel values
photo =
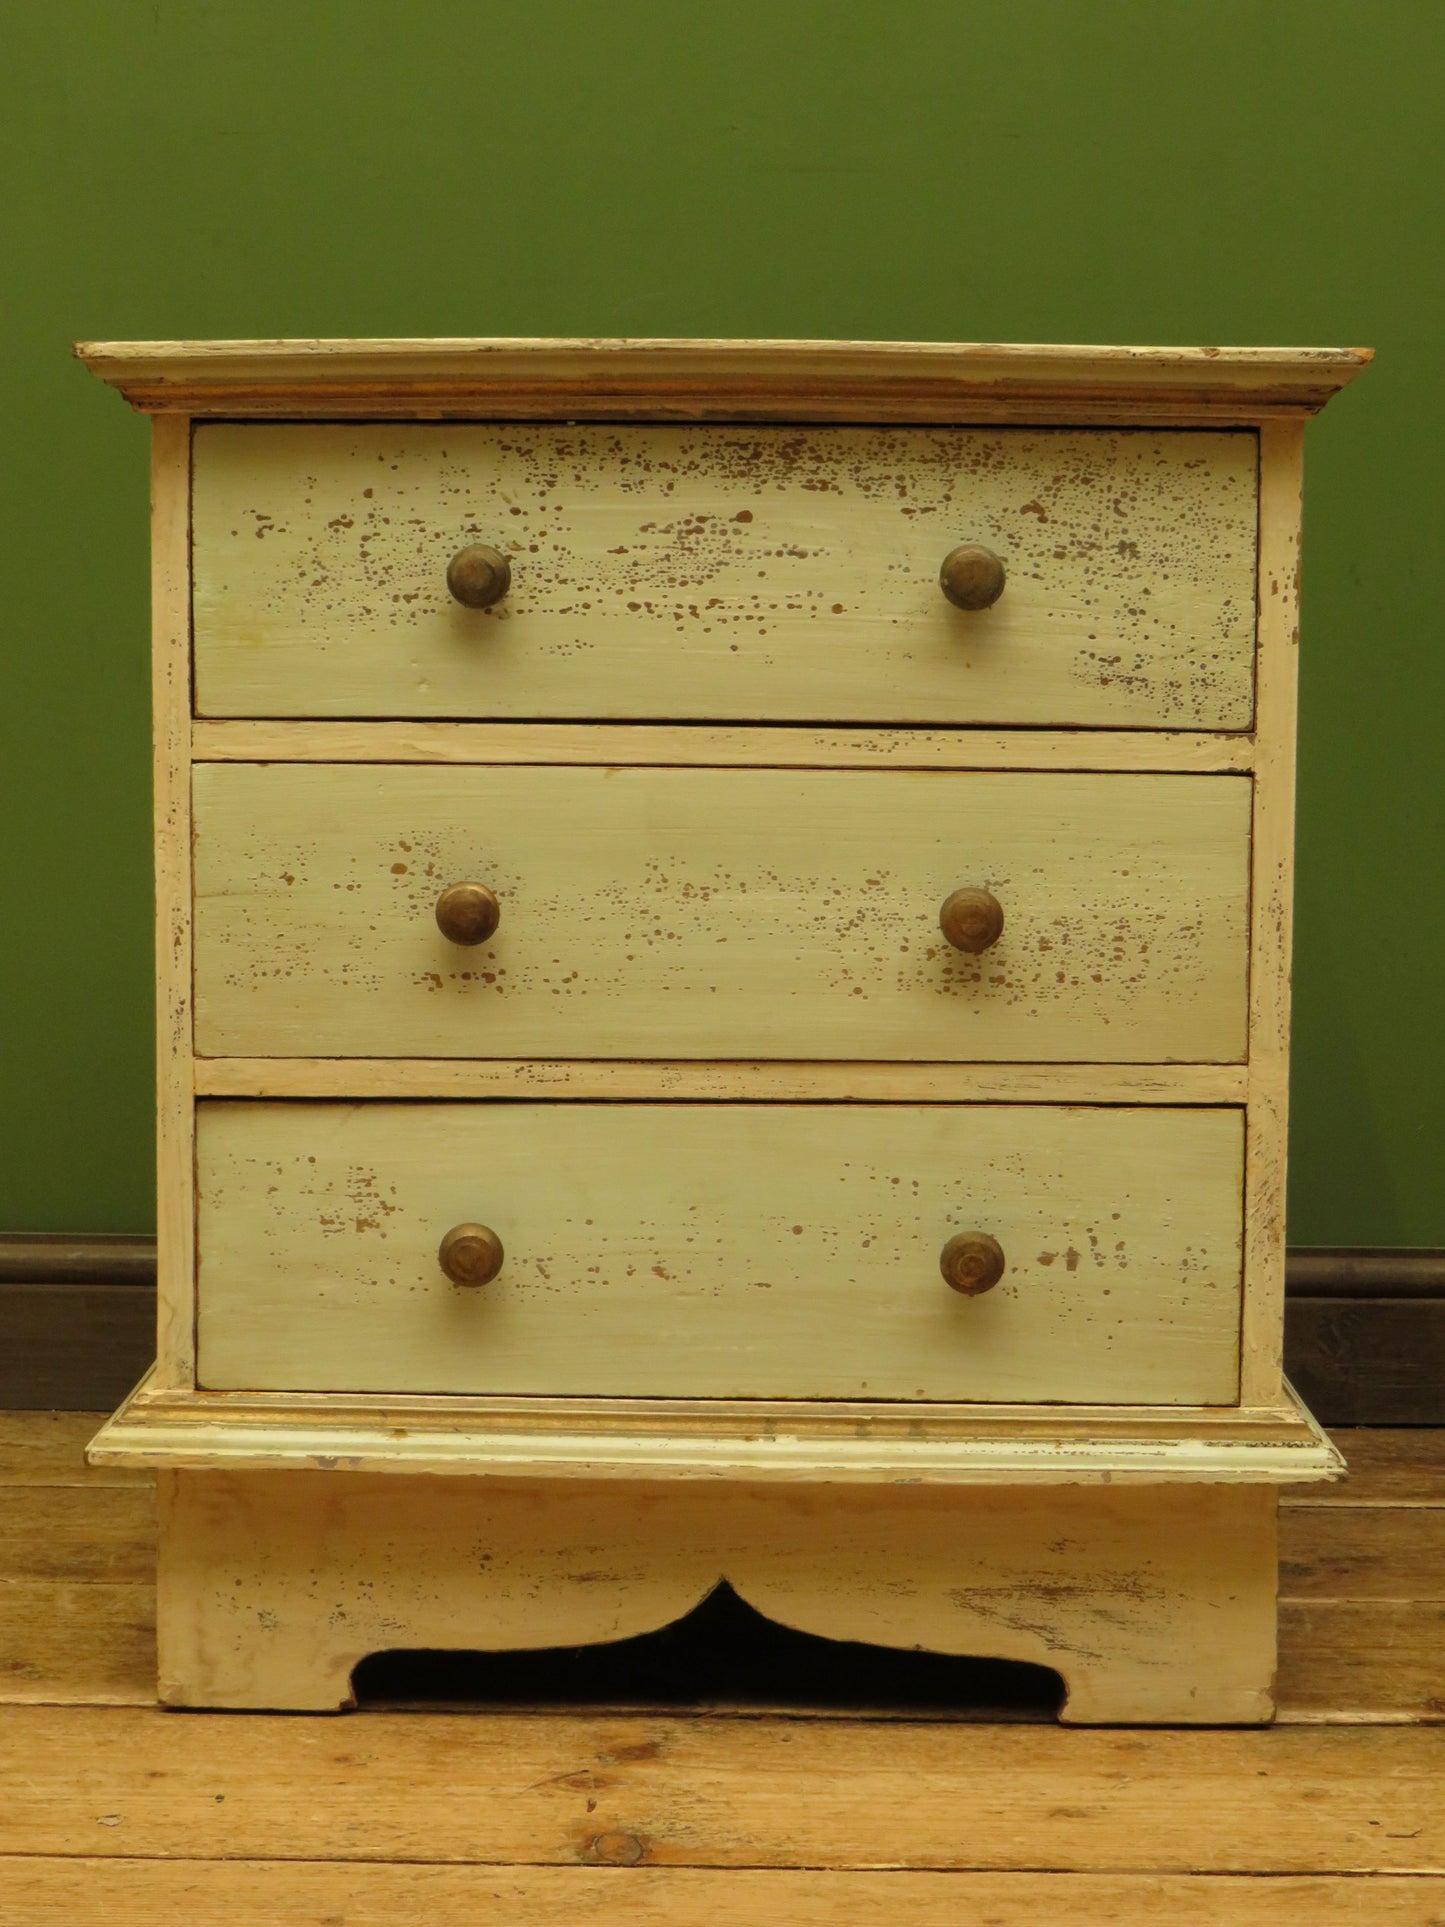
(723, 975)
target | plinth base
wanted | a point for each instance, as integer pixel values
(1155, 1604)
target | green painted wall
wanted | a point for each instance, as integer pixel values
(1030, 170)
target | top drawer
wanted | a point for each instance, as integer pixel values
(739, 573)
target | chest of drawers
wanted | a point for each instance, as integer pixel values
(723, 950)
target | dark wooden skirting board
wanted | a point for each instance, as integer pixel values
(73, 1347)
(1364, 1330)
(1368, 1361)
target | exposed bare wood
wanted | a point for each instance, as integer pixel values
(218, 1893)
(77, 1570)
(85, 1642)
(658, 379)
(63, 1532)
(769, 746)
(1393, 1466)
(137, 1893)
(48, 1448)
(1365, 1552)
(1366, 1662)
(722, 1792)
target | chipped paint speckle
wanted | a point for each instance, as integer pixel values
(726, 572)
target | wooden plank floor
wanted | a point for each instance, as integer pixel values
(113, 1811)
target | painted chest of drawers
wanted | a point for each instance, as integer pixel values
(723, 980)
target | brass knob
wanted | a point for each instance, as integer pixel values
(467, 913)
(972, 577)
(479, 575)
(972, 1262)
(470, 1254)
(972, 920)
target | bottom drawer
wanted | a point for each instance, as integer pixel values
(722, 1250)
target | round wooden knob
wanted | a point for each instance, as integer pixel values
(467, 913)
(470, 1254)
(972, 577)
(972, 1262)
(972, 920)
(479, 576)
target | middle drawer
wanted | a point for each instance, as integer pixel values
(719, 913)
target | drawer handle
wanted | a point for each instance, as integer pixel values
(972, 1262)
(479, 575)
(467, 913)
(470, 1254)
(972, 920)
(972, 577)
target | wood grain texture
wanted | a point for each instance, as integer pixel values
(721, 1251)
(659, 379)
(60, 1532)
(55, 1892)
(1153, 1606)
(48, 1448)
(764, 746)
(1367, 1662)
(733, 1794)
(1271, 907)
(87, 1642)
(171, 722)
(726, 572)
(734, 913)
(1384, 1552)
(1391, 1466)
(1362, 1586)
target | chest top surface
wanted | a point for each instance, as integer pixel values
(524, 379)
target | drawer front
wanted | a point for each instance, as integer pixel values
(722, 1251)
(719, 913)
(726, 572)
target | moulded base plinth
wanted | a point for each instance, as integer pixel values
(1155, 1604)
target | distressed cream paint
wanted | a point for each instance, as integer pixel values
(740, 572)
(719, 913)
(723, 1250)
(716, 1081)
